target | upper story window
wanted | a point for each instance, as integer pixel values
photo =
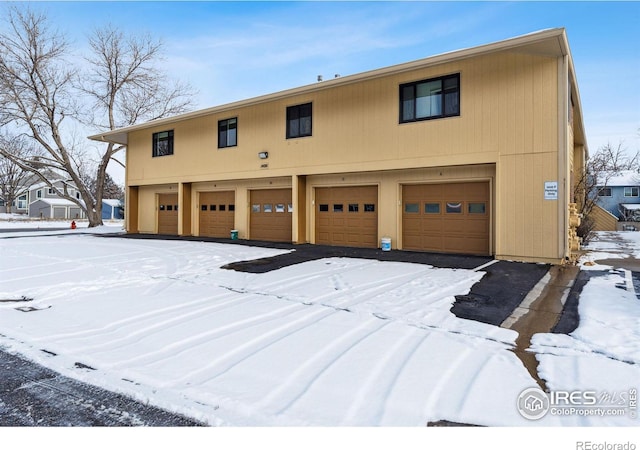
(163, 143)
(228, 133)
(604, 192)
(430, 99)
(630, 191)
(299, 121)
(39, 193)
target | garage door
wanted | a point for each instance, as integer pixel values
(449, 218)
(168, 214)
(217, 213)
(59, 212)
(347, 216)
(271, 212)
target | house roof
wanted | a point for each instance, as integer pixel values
(624, 178)
(630, 206)
(57, 202)
(112, 202)
(42, 184)
(550, 42)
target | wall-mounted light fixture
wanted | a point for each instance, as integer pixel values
(263, 155)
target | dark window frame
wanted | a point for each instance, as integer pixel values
(409, 90)
(604, 192)
(295, 115)
(157, 140)
(223, 132)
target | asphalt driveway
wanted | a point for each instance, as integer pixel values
(32, 395)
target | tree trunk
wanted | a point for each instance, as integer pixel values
(95, 217)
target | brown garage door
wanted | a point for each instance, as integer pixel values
(168, 214)
(449, 218)
(217, 213)
(347, 216)
(271, 211)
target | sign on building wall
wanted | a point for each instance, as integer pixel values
(551, 190)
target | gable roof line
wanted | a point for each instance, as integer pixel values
(120, 136)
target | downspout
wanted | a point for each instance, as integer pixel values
(563, 200)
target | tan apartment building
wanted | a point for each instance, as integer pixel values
(472, 151)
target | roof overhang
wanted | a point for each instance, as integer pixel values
(552, 42)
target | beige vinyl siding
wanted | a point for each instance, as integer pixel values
(603, 219)
(526, 222)
(355, 127)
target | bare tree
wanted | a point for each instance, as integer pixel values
(13, 178)
(607, 162)
(42, 93)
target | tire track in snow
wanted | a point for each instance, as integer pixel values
(237, 355)
(306, 278)
(441, 388)
(176, 348)
(156, 326)
(381, 380)
(134, 320)
(302, 379)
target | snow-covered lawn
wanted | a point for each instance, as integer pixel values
(330, 342)
(22, 221)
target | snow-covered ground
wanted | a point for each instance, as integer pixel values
(330, 342)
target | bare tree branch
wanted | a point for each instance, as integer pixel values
(41, 94)
(607, 162)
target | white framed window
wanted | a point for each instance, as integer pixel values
(22, 202)
(631, 191)
(39, 193)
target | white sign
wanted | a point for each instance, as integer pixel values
(551, 190)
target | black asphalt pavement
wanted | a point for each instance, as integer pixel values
(32, 395)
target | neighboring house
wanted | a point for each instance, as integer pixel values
(45, 203)
(472, 151)
(621, 195)
(55, 208)
(112, 209)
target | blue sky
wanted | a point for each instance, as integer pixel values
(235, 50)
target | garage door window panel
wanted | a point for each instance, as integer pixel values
(454, 208)
(432, 208)
(267, 207)
(477, 208)
(412, 208)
